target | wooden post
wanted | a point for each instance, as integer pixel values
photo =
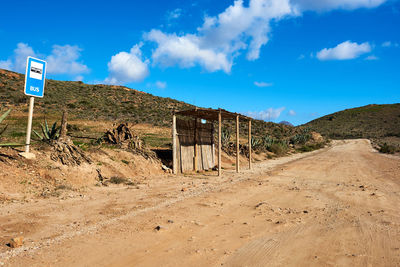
(63, 131)
(195, 165)
(250, 144)
(174, 159)
(213, 144)
(219, 143)
(237, 143)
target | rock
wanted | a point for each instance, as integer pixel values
(317, 137)
(305, 211)
(259, 204)
(170, 221)
(16, 242)
(165, 168)
(158, 228)
(184, 189)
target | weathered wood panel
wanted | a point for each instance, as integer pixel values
(189, 135)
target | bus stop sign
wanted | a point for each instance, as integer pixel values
(35, 76)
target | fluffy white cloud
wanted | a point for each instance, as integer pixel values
(344, 51)
(221, 38)
(62, 60)
(262, 84)
(266, 115)
(326, 5)
(185, 51)
(161, 85)
(126, 67)
(292, 113)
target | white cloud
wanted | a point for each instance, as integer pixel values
(266, 115)
(62, 60)
(326, 5)
(221, 38)
(161, 85)
(344, 51)
(371, 57)
(262, 84)
(186, 52)
(292, 113)
(126, 67)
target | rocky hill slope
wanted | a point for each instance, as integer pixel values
(379, 123)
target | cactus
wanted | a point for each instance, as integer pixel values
(2, 117)
(48, 134)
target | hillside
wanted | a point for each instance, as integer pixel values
(107, 103)
(379, 123)
(85, 101)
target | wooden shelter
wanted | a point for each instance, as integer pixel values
(193, 141)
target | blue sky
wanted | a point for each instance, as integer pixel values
(276, 60)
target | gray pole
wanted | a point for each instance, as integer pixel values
(29, 128)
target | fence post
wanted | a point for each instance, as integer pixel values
(237, 143)
(219, 143)
(174, 159)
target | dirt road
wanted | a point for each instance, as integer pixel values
(339, 206)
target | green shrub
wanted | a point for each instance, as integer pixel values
(311, 147)
(388, 149)
(278, 148)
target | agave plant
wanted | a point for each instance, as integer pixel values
(301, 138)
(255, 142)
(48, 134)
(267, 141)
(2, 117)
(225, 136)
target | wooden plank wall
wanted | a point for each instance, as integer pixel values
(186, 130)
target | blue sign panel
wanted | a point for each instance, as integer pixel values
(35, 76)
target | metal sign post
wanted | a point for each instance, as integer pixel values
(35, 77)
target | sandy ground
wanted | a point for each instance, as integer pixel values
(339, 206)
